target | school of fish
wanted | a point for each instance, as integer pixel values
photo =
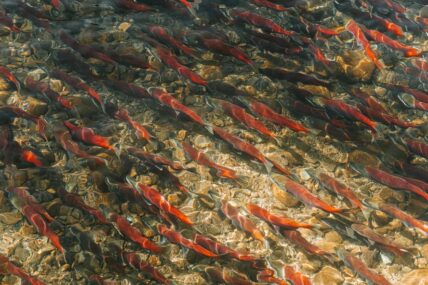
(214, 142)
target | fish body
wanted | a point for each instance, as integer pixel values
(268, 4)
(157, 199)
(349, 112)
(417, 147)
(22, 193)
(307, 197)
(140, 131)
(176, 237)
(393, 181)
(78, 84)
(267, 113)
(7, 267)
(133, 260)
(296, 238)
(44, 89)
(260, 22)
(162, 34)
(239, 220)
(8, 22)
(156, 159)
(131, 5)
(9, 112)
(371, 235)
(88, 136)
(85, 50)
(242, 116)
(280, 221)
(76, 201)
(125, 228)
(295, 277)
(334, 185)
(221, 249)
(31, 157)
(9, 75)
(361, 269)
(202, 159)
(370, 101)
(166, 99)
(403, 217)
(226, 276)
(353, 28)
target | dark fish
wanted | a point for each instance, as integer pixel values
(177, 238)
(9, 76)
(131, 5)
(268, 4)
(418, 94)
(417, 147)
(293, 76)
(76, 201)
(8, 22)
(296, 238)
(385, 118)
(133, 259)
(162, 34)
(368, 100)
(44, 89)
(361, 269)
(156, 159)
(85, 50)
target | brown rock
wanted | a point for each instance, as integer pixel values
(36, 107)
(415, 277)
(10, 218)
(328, 276)
(284, 197)
(355, 65)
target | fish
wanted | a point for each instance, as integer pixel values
(129, 89)
(134, 60)
(27, 198)
(226, 276)
(162, 34)
(218, 46)
(42, 227)
(164, 98)
(247, 148)
(295, 277)
(126, 229)
(295, 237)
(133, 259)
(417, 147)
(280, 221)
(8, 267)
(393, 181)
(361, 269)
(8, 22)
(267, 113)
(304, 195)
(202, 159)
(215, 86)
(78, 84)
(259, 21)
(86, 242)
(293, 76)
(56, 4)
(157, 199)
(337, 187)
(382, 38)
(63, 137)
(123, 115)
(421, 184)
(267, 275)
(9, 75)
(385, 118)
(44, 89)
(384, 242)
(85, 50)
(221, 249)
(358, 33)
(389, 3)
(242, 116)
(268, 4)
(131, 5)
(412, 170)
(418, 94)
(403, 217)
(368, 100)
(76, 201)
(88, 136)
(31, 157)
(349, 112)
(35, 16)
(241, 221)
(156, 159)
(176, 237)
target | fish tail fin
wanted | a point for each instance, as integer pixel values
(243, 181)
(268, 165)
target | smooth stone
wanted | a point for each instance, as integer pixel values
(328, 276)
(415, 277)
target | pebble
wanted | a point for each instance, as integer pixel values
(328, 276)
(355, 65)
(415, 277)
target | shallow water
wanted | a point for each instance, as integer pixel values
(335, 143)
